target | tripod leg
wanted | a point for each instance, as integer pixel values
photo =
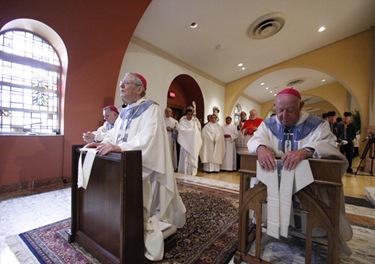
(372, 156)
(363, 157)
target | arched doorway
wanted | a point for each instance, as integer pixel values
(182, 92)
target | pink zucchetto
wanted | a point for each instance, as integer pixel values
(143, 80)
(112, 107)
(290, 91)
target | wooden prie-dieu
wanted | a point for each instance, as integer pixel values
(327, 174)
(107, 217)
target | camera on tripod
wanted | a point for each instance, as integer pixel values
(371, 137)
(370, 150)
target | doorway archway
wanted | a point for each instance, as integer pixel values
(182, 92)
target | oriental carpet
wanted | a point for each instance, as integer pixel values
(209, 236)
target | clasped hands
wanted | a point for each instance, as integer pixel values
(290, 160)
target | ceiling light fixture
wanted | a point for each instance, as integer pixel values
(240, 64)
(321, 29)
(323, 80)
(243, 68)
(193, 24)
(261, 83)
(219, 47)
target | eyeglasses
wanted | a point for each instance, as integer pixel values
(125, 82)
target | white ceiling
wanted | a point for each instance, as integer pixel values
(221, 41)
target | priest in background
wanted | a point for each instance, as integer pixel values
(172, 130)
(110, 114)
(230, 135)
(189, 138)
(141, 126)
(213, 146)
(251, 125)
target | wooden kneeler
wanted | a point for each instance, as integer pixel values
(318, 214)
(107, 217)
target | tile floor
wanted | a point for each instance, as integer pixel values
(25, 213)
(20, 213)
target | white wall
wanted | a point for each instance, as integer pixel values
(160, 72)
(246, 105)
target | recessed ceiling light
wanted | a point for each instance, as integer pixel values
(219, 47)
(193, 24)
(266, 88)
(323, 80)
(271, 92)
(261, 83)
(243, 68)
(240, 64)
(321, 29)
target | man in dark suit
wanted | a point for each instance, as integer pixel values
(349, 135)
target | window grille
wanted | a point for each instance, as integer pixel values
(30, 71)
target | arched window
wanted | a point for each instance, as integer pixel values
(30, 89)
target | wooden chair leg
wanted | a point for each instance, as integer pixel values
(308, 240)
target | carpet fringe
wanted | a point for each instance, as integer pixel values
(20, 250)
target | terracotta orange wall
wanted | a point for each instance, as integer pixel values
(96, 34)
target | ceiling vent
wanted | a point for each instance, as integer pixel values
(295, 82)
(266, 26)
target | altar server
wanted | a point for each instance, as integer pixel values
(172, 131)
(230, 135)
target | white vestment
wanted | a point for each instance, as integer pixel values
(141, 126)
(230, 158)
(102, 131)
(320, 139)
(240, 141)
(189, 138)
(213, 147)
(172, 137)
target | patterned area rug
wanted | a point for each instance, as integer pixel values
(209, 235)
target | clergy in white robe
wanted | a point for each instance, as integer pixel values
(110, 114)
(189, 138)
(296, 136)
(141, 126)
(172, 131)
(240, 141)
(213, 146)
(230, 135)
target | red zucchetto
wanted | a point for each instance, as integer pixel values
(112, 107)
(290, 91)
(143, 80)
